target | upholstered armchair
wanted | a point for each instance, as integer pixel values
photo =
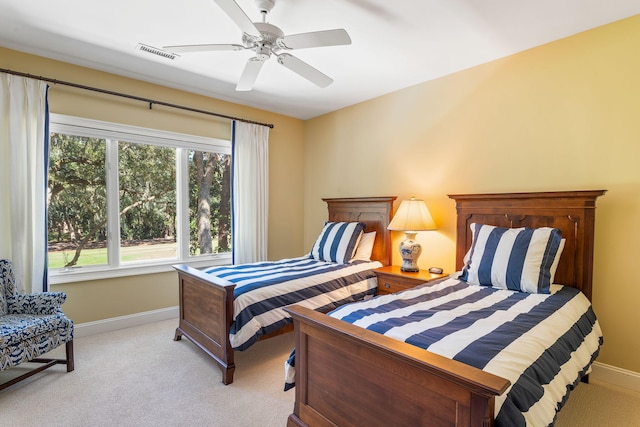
(30, 326)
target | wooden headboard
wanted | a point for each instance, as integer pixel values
(374, 212)
(573, 212)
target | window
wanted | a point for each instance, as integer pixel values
(125, 199)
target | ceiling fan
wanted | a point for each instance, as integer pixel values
(265, 40)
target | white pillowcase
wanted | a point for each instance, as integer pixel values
(365, 247)
(556, 261)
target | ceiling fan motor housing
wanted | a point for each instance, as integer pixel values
(265, 6)
(263, 47)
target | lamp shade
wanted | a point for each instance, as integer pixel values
(412, 215)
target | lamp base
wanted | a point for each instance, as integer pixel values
(410, 251)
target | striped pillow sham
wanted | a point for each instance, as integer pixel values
(519, 259)
(337, 242)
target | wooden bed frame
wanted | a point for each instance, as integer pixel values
(206, 304)
(349, 376)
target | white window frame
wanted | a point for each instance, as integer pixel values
(112, 133)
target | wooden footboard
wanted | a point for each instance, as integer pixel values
(206, 313)
(349, 376)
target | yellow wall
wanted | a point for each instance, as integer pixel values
(101, 299)
(564, 116)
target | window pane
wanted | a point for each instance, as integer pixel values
(113, 194)
(147, 177)
(77, 215)
(209, 203)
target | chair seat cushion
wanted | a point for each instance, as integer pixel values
(16, 328)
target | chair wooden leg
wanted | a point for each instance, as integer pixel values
(69, 351)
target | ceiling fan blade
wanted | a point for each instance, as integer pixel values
(238, 16)
(315, 39)
(202, 47)
(250, 74)
(305, 70)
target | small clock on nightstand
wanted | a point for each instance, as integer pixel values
(392, 279)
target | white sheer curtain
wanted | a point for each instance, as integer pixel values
(250, 172)
(23, 158)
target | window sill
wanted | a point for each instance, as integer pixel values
(86, 274)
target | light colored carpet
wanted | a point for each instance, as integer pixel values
(599, 404)
(141, 377)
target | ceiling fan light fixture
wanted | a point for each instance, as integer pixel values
(263, 52)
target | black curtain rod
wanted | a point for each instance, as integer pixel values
(137, 98)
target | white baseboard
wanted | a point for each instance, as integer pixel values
(121, 322)
(616, 376)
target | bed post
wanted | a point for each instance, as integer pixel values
(206, 313)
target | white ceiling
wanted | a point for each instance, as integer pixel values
(395, 43)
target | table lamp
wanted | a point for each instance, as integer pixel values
(412, 216)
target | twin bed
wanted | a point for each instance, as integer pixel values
(496, 355)
(496, 352)
(224, 309)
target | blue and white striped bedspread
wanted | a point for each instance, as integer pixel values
(542, 343)
(264, 288)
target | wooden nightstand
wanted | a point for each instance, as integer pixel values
(392, 279)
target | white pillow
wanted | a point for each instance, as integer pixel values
(556, 261)
(519, 259)
(365, 247)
